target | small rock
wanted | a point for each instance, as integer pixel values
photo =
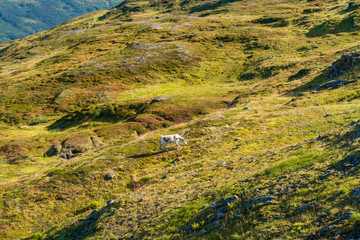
(109, 176)
(164, 177)
(304, 208)
(249, 179)
(346, 215)
(318, 218)
(246, 108)
(221, 45)
(110, 202)
(214, 224)
(112, 213)
(347, 144)
(353, 123)
(326, 174)
(335, 84)
(324, 231)
(159, 99)
(282, 177)
(175, 161)
(356, 192)
(320, 137)
(96, 141)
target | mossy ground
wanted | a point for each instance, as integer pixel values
(98, 75)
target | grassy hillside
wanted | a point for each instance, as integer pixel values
(22, 18)
(266, 94)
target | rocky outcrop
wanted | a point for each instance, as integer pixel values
(73, 146)
(344, 64)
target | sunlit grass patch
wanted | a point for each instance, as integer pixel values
(301, 159)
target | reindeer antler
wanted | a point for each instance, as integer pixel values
(184, 132)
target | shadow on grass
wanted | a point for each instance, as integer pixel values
(317, 81)
(145, 155)
(212, 6)
(82, 228)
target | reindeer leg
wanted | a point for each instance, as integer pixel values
(165, 147)
(160, 146)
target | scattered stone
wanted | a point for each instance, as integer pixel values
(347, 144)
(247, 180)
(318, 219)
(267, 58)
(282, 177)
(326, 174)
(214, 224)
(113, 212)
(221, 45)
(348, 163)
(237, 139)
(356, 192)
(324, 231)
(305, 207)
(333, 84)
(321, 137)
(109, 176)
(246, 108)
(224, 202)
(265, 200)
(356, 137)
(164, 177)
(346, 215)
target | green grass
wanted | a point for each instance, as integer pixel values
(71, 86)
(301, 160)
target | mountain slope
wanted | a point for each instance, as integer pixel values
(21, 18)
(265, 93)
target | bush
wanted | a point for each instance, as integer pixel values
(37, 121)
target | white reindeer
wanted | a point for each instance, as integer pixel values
(171, 138)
